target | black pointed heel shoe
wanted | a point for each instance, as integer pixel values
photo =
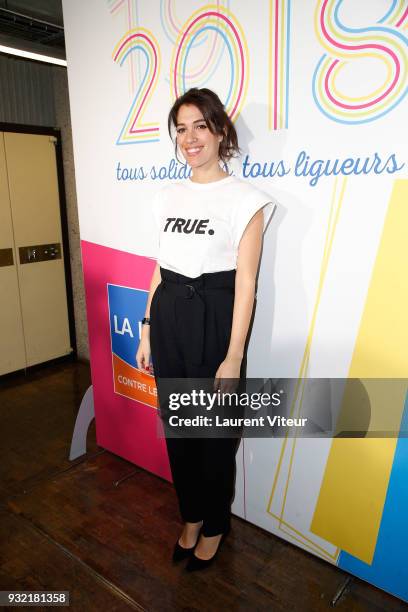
(180, 553)
(195, 564)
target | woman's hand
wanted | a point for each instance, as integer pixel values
(143, 354)
(227, 375)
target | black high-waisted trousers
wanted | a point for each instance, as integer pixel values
(190, 328)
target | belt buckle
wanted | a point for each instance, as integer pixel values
(191, 291)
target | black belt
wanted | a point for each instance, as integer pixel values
(192, 308)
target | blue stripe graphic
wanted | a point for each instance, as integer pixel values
(389, 569)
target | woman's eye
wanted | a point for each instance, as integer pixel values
(180, 130)
(202, 125)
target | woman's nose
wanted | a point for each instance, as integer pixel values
(191, 135)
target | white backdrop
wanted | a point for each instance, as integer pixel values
(320, 250)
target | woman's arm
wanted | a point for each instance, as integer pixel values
(249, 252)
(143, 352)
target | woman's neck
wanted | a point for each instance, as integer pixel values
(208, 177)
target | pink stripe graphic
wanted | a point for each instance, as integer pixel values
(140, 35)
(200, 17)
(145, 130)
(351, 47)
(356, 47)
(113, 8)
(402, 18)
(173, 23)
(194, 75)
(275, 93)
(353, 106)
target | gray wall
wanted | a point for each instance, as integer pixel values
(26, 92)
(37, 94)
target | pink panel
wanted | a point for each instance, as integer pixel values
(124, 426)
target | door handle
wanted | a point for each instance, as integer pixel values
(39, 252)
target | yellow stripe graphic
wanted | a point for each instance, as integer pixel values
(352, 496)
(289, 444)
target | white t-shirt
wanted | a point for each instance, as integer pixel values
(201, 224)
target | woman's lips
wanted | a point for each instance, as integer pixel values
(193, 151)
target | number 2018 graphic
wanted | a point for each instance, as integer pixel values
(383, 41)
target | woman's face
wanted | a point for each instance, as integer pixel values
(198, 145)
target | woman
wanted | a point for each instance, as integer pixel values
(200, 304)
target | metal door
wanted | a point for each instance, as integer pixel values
(34, 197)
(12, 353)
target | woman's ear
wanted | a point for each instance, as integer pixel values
(223, 135)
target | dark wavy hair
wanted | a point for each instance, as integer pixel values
(215, 117)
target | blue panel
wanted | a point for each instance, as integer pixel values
(389, 569)
(126, 308)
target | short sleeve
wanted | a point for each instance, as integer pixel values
(246, 210)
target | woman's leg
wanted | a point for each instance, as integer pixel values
(203, 469)
(183, 462)
(218, 475)
(216, 467)
(182, 452)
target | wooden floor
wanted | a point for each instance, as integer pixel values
(67, 526)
